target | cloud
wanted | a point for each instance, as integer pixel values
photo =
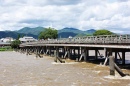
(82, 14)
(123, 0)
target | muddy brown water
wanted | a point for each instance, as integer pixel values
(18, 69)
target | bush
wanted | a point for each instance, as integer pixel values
(102, 32)
(15, 44)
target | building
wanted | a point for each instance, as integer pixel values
(4, 44)
(7, 39)
(27, 39)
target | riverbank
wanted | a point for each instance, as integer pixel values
(18, 69)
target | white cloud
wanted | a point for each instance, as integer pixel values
(82, 14)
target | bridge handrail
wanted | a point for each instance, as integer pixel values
(102, 39)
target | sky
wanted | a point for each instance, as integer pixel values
(113, 15)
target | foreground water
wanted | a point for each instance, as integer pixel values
(20, 70)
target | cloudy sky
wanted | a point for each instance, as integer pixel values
(113, 15)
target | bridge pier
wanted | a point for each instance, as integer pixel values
(56, 53)
(85, 54)
(78, 52)
(108, 52)
(123, 57)
(116, 56)
(111, 64)
(68, 52)
(96, 54)
(49, 50)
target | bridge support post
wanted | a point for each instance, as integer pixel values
(26, 51)
(123, 57)
(74, 51)
(56, 52)
(42, 50)
(82, 54)
(105, 52)
(63, 51)
(112, 65)
(49, 51)
(68, 51)
(85, 54)
(96, 54)
(55, 59)
(78, 52)
(115, 56)
(38, 52)
(108, 52)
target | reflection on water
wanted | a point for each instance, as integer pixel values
(20, 70)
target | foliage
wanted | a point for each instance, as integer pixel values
(102, 32)
(15, 44)
(5, 48)
(48, 33)
(18, 37)
(89, 35)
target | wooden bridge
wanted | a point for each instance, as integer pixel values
(78, 48)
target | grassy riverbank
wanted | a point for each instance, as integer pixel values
(6, 48)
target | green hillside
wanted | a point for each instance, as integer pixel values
(13, 34)
(28, 30)
(66, 32)
(74, 30)
(63, 33)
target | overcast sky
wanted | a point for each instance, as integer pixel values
(113, 15)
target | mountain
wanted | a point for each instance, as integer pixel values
(66, 32)
(91, 31)
(13, 34)
(28, 30)
(62, 33)
(74, 30)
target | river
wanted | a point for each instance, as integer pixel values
(18, 69)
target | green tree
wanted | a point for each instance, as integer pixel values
(15, 44)
(102, 32)
(48, 33)
(18, 36)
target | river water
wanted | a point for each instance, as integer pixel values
(18, 69)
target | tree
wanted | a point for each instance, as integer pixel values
(48, 33)
(18, 36)
(15, 44)
(102, 32)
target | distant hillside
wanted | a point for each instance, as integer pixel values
(63, 33)
(74, 30)
(66, 32)
(13, 34)
(28, 30)
(91, 31)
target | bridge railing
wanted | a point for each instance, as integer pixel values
(103, 39)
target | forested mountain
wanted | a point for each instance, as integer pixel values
(28, 30)
(66, 32)
(62, 33)
(13, 34)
